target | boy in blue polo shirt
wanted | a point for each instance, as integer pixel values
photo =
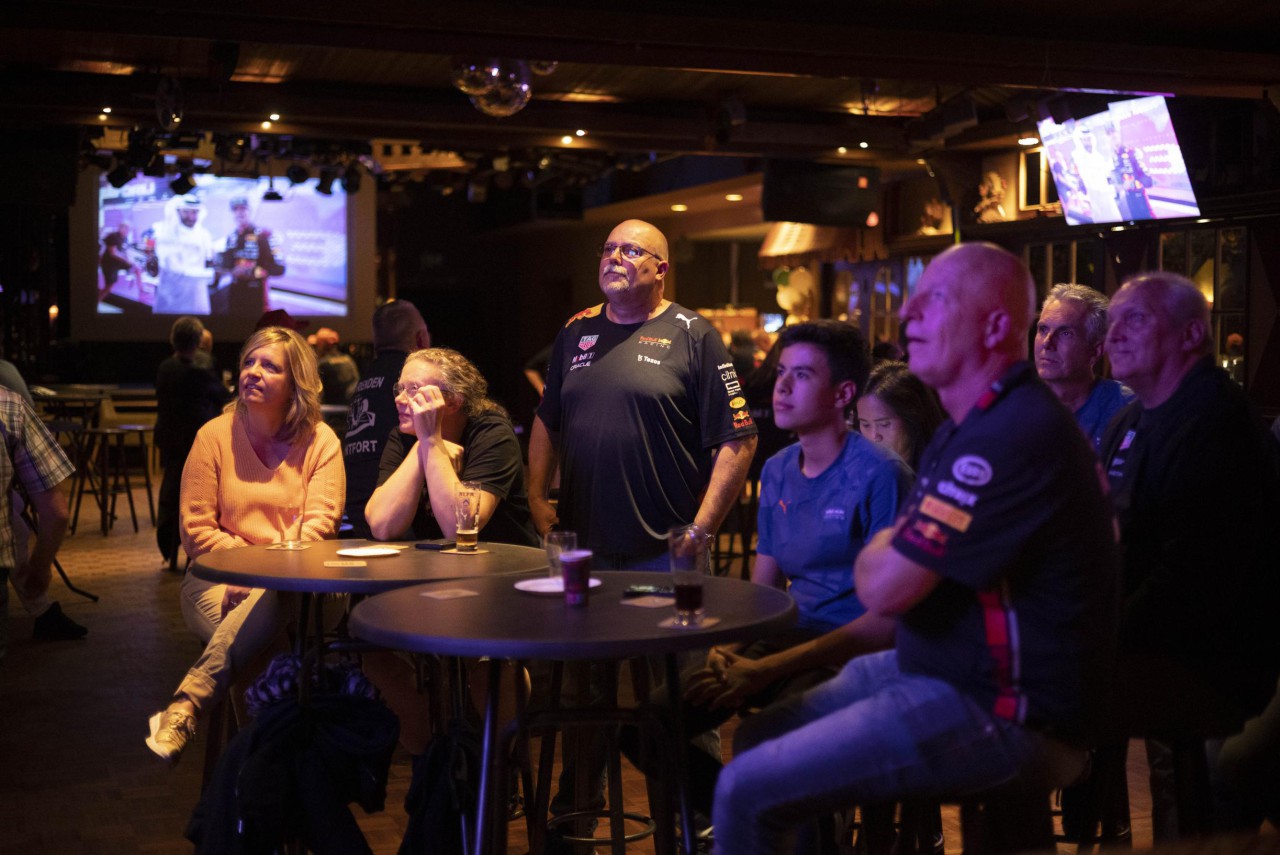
(821, 499)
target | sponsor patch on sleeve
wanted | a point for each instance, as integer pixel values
(589, 312)
(926, 536)
(946, 513)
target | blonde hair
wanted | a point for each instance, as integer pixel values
(303, 413)
(459, 377)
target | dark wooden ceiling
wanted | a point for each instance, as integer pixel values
(810, 75)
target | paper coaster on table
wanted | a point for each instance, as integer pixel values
(650, 602)
(456, 551)
(670, 623)
(548, 585)
(450, 594)
(369, 551)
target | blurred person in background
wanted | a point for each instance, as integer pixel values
(899, 411)
(398, 330)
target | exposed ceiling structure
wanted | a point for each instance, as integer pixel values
(883, 81)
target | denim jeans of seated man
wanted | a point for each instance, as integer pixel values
(870, 734)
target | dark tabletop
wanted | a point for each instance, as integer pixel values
(504, 622)
(305, 570)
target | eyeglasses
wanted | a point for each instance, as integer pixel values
(629, 251)
(408, 389)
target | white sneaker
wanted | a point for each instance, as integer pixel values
(171, 731)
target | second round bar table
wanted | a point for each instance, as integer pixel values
(496, 620)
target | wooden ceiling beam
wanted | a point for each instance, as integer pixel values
(738, 43)
(441, 117)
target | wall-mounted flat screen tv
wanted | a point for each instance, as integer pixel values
(1120, 165)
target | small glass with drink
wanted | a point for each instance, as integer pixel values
(688, 550)
(466, 510)
(575, 566)
(555, 543)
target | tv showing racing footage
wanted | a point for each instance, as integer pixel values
(1120, 165)
(225, 250)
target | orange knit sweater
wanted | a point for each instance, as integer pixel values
(229, 498)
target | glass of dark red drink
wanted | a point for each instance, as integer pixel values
(688, 550)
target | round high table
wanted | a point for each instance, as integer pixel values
(319, 569)
(490, 617)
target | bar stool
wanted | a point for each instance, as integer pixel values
(143, 432)
(105, 474)
(1017, 816)
(551, 721)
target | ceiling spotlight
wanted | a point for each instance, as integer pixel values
(102, 117)
(1028, 140)
(328, 174)
(842, 150)
(580, 133)
(351, 179)
(120, 176)
(297, 173)
(271, 195)
(566, 139)
(679, 209)
(862, 144)
(733, 197)
(182, 185)
(155, 167)
(266, 126)
(106, 109)
(275, 117)
(873, 220)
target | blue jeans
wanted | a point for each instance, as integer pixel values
(870, 734)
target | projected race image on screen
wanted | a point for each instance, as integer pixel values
(1119, 165)
(223, 249)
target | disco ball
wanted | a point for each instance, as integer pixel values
(542, 67)
(511, 93)
(475, 76)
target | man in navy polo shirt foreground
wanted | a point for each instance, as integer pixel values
(1001, 573)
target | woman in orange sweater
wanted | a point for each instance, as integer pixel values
(265, 466)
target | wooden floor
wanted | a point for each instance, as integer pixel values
(75, 776)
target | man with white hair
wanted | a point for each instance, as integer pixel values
(1068, 344)
(1197, 495)
(184, 250)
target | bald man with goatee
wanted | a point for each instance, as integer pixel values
(643, 411)
(1000, 575)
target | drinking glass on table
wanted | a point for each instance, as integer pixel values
(466, 510)
(555, 543)
(687, 549)
(292, 528)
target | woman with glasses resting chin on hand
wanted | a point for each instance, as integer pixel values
(449, 431)
(266, 470)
